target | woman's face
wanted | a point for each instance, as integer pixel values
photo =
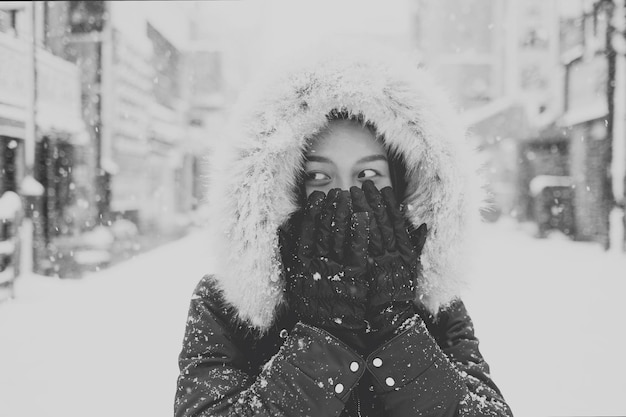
(344, 155)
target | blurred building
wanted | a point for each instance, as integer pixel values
(218, 61)
(534, 81)
(44, 90)
(574, 148)
(112, 121)
(500, 60)
(57, 89)
(464, 44)
(207, 101)
(172, 161)
(132, 91)
(486, 51)
(585, 119)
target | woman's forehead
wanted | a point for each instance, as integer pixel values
(346, 136)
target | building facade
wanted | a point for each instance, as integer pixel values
(585, 118)
(132, 101)
(536, 80)
(499, 61)
(44, 90)
(111, 146)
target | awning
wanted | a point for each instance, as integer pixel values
(476, 115)
(12, 121)
(594, 111)
(504, 118)
(57, 121)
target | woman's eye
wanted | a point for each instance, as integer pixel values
(316, 176)
(367, 173)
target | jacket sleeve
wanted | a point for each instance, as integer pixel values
(416, 375)
(312, 374)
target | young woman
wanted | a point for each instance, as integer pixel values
(329, 297)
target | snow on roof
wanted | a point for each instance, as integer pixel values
(540, 182)
(31, 187)
(109, 165)
(10, 204)
(597, 109)
(476, 115)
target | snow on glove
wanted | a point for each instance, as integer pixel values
(327, 272)
(394, 263)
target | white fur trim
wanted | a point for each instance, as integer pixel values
(253, 174)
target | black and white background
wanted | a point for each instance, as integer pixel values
(108, 110)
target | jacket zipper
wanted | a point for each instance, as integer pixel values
(358, 405)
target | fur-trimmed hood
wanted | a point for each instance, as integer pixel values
(254, 170)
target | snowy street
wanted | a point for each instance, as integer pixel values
(105, 345)
(550, 317)
(549, 314)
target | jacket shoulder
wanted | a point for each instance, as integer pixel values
(208, 294)
(206, 287)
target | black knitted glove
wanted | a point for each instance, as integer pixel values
(326, 268)
(394, 263)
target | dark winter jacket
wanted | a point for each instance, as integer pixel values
(299, 370)
(236, 359)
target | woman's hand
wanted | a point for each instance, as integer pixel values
(394, 262)
(326, 266)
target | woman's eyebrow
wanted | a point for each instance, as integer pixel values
(372, 158)
(315, 158)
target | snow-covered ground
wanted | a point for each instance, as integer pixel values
(105, 345)
(549, 313)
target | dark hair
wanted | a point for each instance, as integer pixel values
(397, 173)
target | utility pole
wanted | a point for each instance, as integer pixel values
(616, 50)
(28, 228)
(30, 188)
(31, 118)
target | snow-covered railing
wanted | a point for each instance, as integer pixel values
(10, 214)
